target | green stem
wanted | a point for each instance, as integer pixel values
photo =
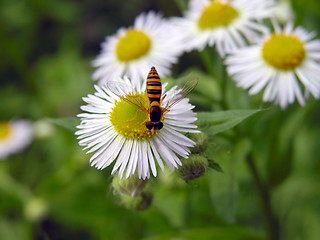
(207, 60)
(9, 185)
(271, 219)
(182, 5)
(224, 86)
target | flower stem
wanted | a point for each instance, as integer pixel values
(224, 83)
(182, 5)
(207, 60)
(271, 219)
(9, 185)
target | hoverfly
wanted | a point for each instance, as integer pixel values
(156, 108)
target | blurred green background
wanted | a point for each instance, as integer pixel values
(49, 191)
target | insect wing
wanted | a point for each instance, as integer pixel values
(181, 93)
(122, 91)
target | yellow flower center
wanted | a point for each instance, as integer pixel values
(217, 14)
(133, 45)
(284, 52)
(5, 129)
(128, 119)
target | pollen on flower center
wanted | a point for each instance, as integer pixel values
(133, 45)
(217, 14)
(129, 120)
(4, 130)
(284, 52)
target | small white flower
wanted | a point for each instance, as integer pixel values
(15, 135)
(282, 63)
(227, 24)
(116, 131)
(151, 41)
(283, 11)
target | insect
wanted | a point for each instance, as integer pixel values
(156, 108)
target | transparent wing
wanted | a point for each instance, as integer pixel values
(122, 91)
(179, 94)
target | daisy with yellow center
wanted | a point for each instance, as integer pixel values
(152, 40)
(283, 62)
(116, 131)
(15, 135)
(225, 24)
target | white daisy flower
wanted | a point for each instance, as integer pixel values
(15, 135)
(282, 63)
(116, 131)
(152, 40)
(227, 24)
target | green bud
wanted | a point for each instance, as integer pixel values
(131, 186)
(170, 179)
(139, 203)
(35, 209)
(43, 129)
(193, 167)
(201, 141)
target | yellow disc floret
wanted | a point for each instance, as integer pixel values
(4, 130)
(133, 45)
(217, 14)
(284, 52)
(130, 120)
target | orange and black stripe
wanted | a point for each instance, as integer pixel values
(153, 86)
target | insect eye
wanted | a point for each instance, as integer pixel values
(159, 125)
(150, 125)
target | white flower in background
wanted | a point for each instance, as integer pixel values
(283, 11)
(15, 135)
(282, 63)
(225, 24)
(116, 131)
(152, 40)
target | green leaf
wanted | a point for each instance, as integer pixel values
(231, 232)
(298, 200)
(223, 191)
(14, 229)
(208, 87)
(214, 165)
(237, 98)
(59, 87)
(69, 123)
(223, 120)
(285, 129)
(223, 187)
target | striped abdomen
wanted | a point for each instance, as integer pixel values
(153, 86)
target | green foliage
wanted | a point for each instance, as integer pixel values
(49, 191)
(69, 123)
(230, 232)
(215, 122)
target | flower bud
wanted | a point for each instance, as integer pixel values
(193, 167)
(201, 141)
(170, 180)
(139, 203)
(35, 209)
(131, 186)
(43, 129)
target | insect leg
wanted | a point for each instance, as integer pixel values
(163, 97)
(135, 115)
